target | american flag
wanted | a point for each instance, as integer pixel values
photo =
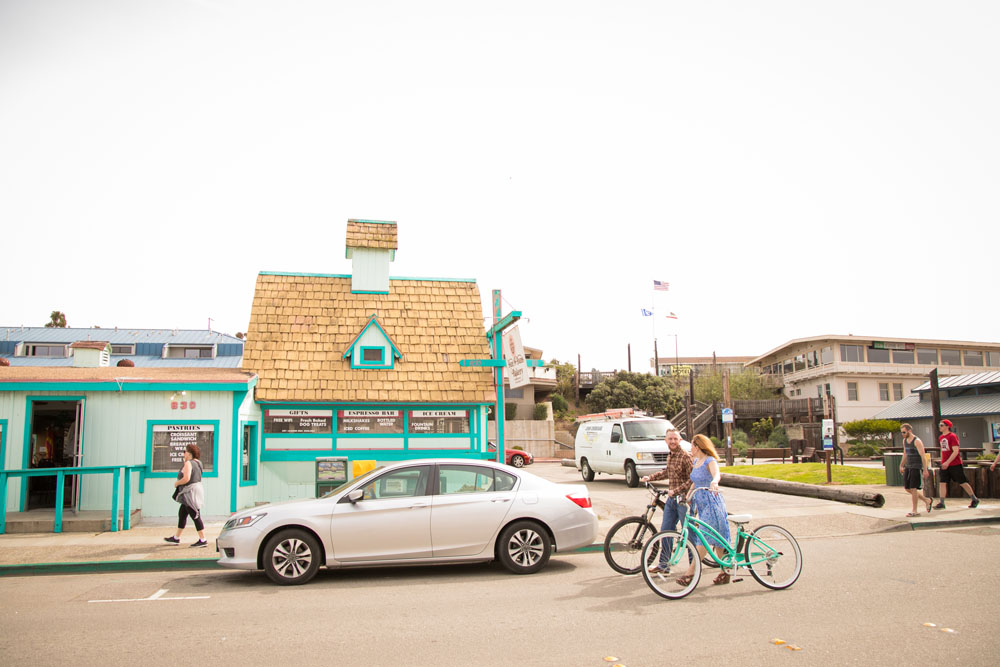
(671, 316)
(661, 286)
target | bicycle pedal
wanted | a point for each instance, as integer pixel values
(736, 581)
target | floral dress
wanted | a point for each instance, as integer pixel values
(711, 507)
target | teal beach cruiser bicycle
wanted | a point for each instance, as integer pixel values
(770, 554)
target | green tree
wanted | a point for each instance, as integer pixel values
(748, 384)
(761, 430)
(57, 320)
(654, 395)
(877, 432)
(565, 374)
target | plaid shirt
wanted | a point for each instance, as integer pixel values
(677, 473)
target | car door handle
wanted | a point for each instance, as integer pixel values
(418, 505)
(501, 500)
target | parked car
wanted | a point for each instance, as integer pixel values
(410, 512)
(513, 457)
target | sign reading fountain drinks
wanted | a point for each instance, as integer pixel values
(298, 421)
(439, 421)
(170, 441)
(366, 422)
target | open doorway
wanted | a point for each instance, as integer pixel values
(54, 443)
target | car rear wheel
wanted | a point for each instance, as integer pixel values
(524, 547)
(517, 461)
(586, 471)
(291, 557)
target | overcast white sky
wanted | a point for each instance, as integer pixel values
(791, 168)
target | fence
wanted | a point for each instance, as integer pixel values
(60, 475)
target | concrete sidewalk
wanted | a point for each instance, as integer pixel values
(143, 548)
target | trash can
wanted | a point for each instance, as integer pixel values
(892, 475)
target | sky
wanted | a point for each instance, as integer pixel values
(790, 168)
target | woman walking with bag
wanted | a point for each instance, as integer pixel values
(191, 495)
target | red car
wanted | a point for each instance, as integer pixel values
(517, 458)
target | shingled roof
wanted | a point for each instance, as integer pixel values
(371, 234)
(300, 326)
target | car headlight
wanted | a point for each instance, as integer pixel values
(645, 457)
(244, 521)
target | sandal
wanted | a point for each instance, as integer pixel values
(723, 578)
(930, 503)
(685, 580)
(912, 514)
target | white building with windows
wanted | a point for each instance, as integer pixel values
(866, 375)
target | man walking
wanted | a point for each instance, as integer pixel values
(951, 465)
(913, 467)
(677, 472)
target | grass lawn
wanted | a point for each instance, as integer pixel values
(811, 473)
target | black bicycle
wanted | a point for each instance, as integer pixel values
(624, 543)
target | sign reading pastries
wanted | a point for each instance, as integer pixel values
(370, 422)
(170, 441)
(298, 421)
(439, 421)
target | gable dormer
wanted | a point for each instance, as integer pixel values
(371, 246)
(373, 349)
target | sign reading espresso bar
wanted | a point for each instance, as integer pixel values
(298, 421)
(370, 422)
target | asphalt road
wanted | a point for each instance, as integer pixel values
(862, 599)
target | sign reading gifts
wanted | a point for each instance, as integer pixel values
(298, 421)
(370, 422)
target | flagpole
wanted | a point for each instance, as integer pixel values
(656, 357)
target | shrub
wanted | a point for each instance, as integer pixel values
(863, 449)
(510, 411)
(739, 446)
(778, 437)
(559, 404)
(761, 429)
(986, 456)
(541, 412)
(873, 431)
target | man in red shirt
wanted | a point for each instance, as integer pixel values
(951, 465)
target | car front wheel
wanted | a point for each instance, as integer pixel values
(291, 557)
(631, 476)
(524, 547)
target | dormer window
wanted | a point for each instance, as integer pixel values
(373, 349)
(372, 356)
(30, 350)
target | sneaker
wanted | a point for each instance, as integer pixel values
(939, 506)
(171, 540)
(199, 543)
(974, 503)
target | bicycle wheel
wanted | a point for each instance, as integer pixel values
(623, 545)
(779, 557)
(665, 583)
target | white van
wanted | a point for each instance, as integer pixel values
(632, 446)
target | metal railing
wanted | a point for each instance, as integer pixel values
(60, 475)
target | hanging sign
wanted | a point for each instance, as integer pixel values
(513, 352)
(298, 421)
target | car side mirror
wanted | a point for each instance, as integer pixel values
(354, 496)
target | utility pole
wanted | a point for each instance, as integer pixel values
(630, 357)
(578, 380)
(656, 360)
(726, 402)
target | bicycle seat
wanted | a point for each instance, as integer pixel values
(739, 518)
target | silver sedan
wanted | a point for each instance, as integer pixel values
(410, 512)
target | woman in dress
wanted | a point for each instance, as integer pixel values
(708, 503)
(191, 496)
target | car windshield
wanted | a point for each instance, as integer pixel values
(352, 481)
(649, 429)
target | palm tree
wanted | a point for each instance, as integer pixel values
(57, 320)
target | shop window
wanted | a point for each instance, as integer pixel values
(248, 456)
(902, 356)
(927, 355)
(878, 356)
(852, 391)
(852, 353)
(951, 358)
(973, 358)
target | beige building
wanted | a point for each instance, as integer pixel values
(866, 375)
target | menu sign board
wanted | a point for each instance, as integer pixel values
(370, 421)
(298, 421)
(170, 441)
(439, 421)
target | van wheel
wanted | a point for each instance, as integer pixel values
(631, 476)
(586, 471)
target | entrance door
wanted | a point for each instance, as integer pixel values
(56, 442)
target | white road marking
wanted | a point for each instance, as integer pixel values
(158, 595)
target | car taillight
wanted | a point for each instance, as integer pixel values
(582, 501)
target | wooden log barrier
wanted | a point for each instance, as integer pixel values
(839, 493)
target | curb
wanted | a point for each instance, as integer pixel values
(90, 567)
